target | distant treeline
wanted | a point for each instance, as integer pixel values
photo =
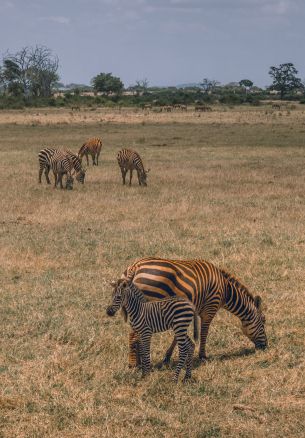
(29, 78)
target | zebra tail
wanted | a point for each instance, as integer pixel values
(196, 332)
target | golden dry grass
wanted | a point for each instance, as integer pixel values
(229, 190)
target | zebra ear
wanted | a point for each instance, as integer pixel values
(125, 283)
(258, 302)
(113, 283)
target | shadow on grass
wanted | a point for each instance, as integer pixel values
(198, 363)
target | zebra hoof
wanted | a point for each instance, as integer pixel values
(203, 359)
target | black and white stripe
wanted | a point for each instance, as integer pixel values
(44, 159)
(147, 318)
(131, 160)
(207, 287)
(61, 164)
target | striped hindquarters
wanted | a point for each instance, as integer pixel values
(44, 160)
(76, 162)
(61, 162)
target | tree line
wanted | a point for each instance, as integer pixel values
(31, 74)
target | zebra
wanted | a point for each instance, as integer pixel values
(44, 159)
(130, 160)
(91, 147)
(207, 287)
(61, 164)
(147, 318)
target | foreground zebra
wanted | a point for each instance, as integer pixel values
(62, 164)
(147, 318)
(130, 160)
(207, 287)
(44, 159)
(91, 147)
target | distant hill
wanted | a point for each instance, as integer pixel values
(189, 85)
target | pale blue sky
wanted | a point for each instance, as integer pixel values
(167, 41)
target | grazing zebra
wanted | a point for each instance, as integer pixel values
(61, 164)
(91, 147)
(207, 287)
(147, 318)
(44, 159)
(130, 160)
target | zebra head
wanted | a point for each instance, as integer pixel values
(118, 297)
(69, 182)
(143, 177)
(254, 328)
(80, 176)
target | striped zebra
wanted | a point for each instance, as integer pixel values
(91, 147)
(62, 164)
(147, 318)
(207, 287)
(130, 160)
(44, 159)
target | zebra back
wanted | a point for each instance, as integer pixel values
(93, 144)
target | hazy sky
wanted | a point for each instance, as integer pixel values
(166, 41)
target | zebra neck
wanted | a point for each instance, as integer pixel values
(134, 308)
(239, 302)
(135, 302)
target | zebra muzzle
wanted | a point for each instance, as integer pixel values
(110, 311)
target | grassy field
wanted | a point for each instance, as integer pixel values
(227, 187)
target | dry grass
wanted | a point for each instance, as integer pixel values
(230, 190)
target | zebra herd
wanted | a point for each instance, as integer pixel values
(65, 162)
(160, 294)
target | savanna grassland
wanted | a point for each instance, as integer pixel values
(228, 186)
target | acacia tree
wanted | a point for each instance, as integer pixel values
(30, 72)
(107, 83)
(208, 84)
(246, 84)
(285, 79)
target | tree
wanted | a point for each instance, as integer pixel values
(246, 84)
(208, 84)
(107, 83)
(30, 72)
(285, 79)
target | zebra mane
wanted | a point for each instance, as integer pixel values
(237, 283)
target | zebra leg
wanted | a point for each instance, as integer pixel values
(55, 179)
(139, 178)
(93, 160)
(169, 352)
(134, 350)
(183, 353)
(206, 319)
(97, 155)
(189, 359)
(130, 178)
(144, 343)
(60, 175)
(39, 174)
(123, 171)
(46, 172)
